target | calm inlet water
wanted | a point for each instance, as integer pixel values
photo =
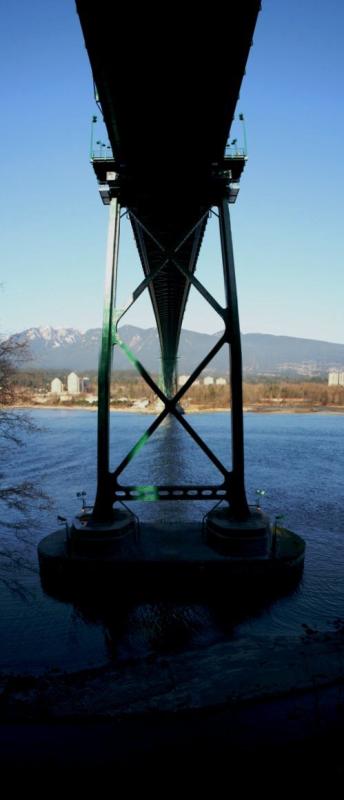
(297, 459)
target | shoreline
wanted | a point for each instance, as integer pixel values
(192, 409)
(275, 703)
(313, 659)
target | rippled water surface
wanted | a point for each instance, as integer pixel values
(297, 459)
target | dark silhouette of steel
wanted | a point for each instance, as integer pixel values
(103, 466)
(239, 502)
(168, 90)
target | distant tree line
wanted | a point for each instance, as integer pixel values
(304, 391)
(127, 384)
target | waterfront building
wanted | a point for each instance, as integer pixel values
(56, 386)
(182, 379)
(208, 380)
(336, 377)
(220, 381)
(73, 383)
(86, 384)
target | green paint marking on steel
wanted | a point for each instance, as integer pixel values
(167, 364)
(125, 348)
(149, 494)
(138, 446)
(116, 315)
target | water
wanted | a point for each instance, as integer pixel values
(297, 459)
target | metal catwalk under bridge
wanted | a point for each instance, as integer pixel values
(168, 84)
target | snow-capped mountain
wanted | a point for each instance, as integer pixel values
(54, 337)
(70, 349)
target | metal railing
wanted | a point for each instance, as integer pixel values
(102, 152)
(233, 151)
(98, 148)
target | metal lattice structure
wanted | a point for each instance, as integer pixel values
(168, 90)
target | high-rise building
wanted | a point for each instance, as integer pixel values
(336, 377)
(73, 383)
(86, 384)
(182, 379)
(56, 386)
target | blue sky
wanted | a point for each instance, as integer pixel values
(288, 221)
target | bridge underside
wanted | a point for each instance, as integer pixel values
(168, 88)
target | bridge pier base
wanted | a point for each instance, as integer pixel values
(93, 539)
(172, 561)
(246, 538)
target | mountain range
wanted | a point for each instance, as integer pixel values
(263, 354)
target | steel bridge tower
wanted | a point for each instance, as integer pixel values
(167, 88)
(168, 125)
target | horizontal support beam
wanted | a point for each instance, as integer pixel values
(150, 493)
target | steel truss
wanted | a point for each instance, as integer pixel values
(232, 487)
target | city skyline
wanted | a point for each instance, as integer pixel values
(286, 223)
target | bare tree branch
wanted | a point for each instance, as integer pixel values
(20, 497)
(14, 427)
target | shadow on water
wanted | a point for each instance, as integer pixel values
(289, 455)
(165, 621)
(171, 457)
(174, 614)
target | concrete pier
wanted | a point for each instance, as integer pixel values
(173, 557)
(249, 538)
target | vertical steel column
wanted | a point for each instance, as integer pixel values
(238, 502)
(102, 511)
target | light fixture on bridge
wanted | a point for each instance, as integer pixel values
(233, 192)
(242, 119)
(94, 120)
(106, 190)
(105, 193)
